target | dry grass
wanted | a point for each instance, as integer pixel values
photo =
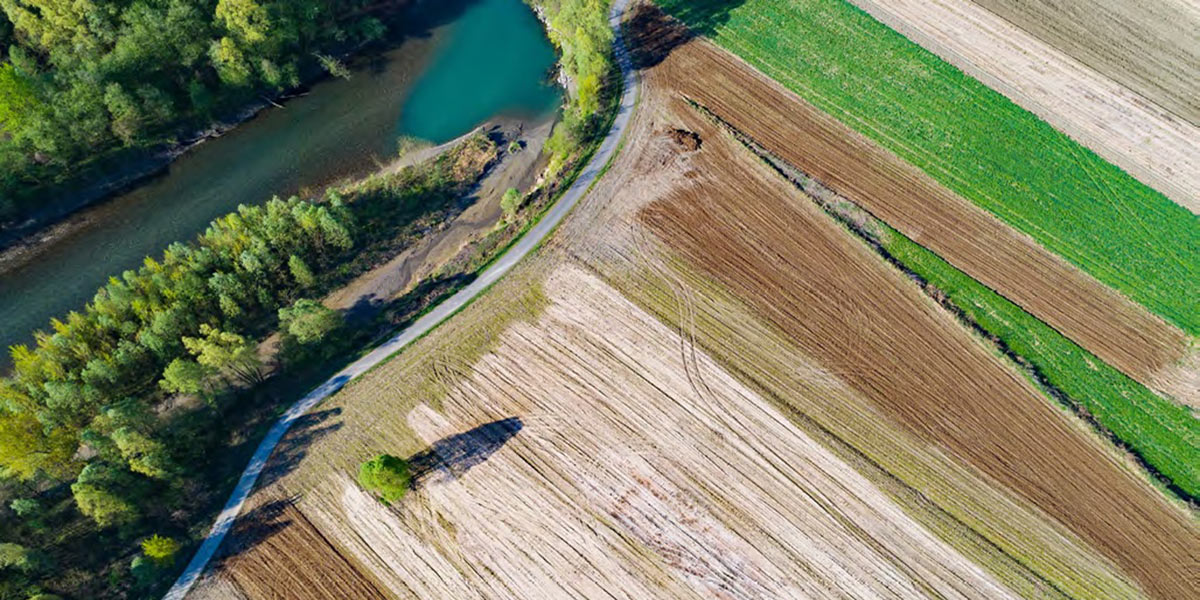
(1156, 146)
(1151, 47)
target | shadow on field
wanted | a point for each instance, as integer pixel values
(294, 446)
(256, 526)
(451, 457)
(653, 34)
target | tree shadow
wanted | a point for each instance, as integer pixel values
(653, 34)
(451, 457)
(294, 446)
(254, 527)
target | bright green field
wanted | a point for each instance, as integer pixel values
(971, 139)
(1164, 433)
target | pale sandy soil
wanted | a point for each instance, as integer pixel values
(1151, 143)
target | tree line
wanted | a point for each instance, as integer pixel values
(87, 407)
(84, 77)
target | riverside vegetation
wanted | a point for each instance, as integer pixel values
(104, 459)
(85, 82)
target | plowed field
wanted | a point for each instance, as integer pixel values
(1151, 47)
(703, 387)
(1099, 319)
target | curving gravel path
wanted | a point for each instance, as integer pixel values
(523, 247)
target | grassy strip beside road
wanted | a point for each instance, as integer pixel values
(972, 140)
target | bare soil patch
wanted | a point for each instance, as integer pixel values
(1093, 315)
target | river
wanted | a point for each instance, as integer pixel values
(483, 58)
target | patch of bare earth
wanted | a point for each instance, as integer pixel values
(1158, 147)
(642, 470)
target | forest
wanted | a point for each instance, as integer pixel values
(84, 80)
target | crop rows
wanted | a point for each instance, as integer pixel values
(972, 140)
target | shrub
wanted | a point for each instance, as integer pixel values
(160, 549)
(511, 202)
(387, 476)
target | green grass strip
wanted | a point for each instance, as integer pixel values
(971, 139)
(1164, 434)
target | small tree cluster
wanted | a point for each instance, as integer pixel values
(387, 476)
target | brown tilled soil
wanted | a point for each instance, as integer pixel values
(1159, 148)
(277, 553)
(861, 320)
(1090, 313)
(1151, 47)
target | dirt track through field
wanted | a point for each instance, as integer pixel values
(1159, 148)
(865, 323)
(1093, 315)
(1153, 47)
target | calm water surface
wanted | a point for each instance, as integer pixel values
(490, 57)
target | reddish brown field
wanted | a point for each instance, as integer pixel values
(859, 318)
(277, 553)
(1093, 315)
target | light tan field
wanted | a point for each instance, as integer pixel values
(1160, 148)
(703, 387)
(1152, 47)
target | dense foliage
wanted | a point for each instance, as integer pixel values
(971, 139)
(80, 77)
(580, 31)
(386, 476)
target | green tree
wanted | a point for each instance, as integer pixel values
(186, 376)
(144, 454)
(160, 549)
(16, 556)
(127, 119)
(511, 202)
(300, 272)
(309, 321)
(227, 353)
(26, 508)
(27, 447)
(387, 476)
(100, 493)
(17, 98)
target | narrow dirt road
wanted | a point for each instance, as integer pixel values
(532, 239)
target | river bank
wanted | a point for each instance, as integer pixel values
(339, 131)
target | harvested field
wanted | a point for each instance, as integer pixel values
(640, 470)
(1112, 327)
(1153, 144)
(1151, 47)
(970, 139)
(862, 321)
